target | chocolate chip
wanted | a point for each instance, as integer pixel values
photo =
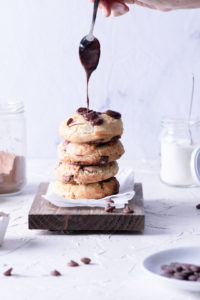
(86, 260)
(65, 143)
(192, 278)
(72, 263)
(179, 269)
(104, 160)
(8, 272)
(81, 110)
(198, 206)
(91, 116)
(178, 276)
(69, 121)
(109, 208)
(127, 210)
(55, 273)
(110, 200)
(113, 114)
(115, 138)
(195, 268)
(66, 178)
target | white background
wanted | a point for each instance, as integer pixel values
(144, 72)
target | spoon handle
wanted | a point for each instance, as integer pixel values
(96, 3)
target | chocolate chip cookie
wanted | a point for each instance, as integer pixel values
(67, 173)
(88, 126)
(96, 190)
(90, 154)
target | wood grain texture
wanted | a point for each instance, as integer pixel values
(46, 216)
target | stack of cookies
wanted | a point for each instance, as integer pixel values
(88, 155)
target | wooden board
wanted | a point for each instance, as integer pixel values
(46, 216)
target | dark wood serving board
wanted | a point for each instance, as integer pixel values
(46, 216)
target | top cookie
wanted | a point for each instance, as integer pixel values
(91, 127)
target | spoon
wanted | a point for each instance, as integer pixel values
(89, 50)
(190, 110)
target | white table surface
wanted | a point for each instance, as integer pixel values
(171, 221)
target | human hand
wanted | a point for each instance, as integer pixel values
(120, 7)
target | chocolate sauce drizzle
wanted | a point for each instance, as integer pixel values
(89, 57)
(95, 117)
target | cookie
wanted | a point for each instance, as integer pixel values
(91, 127)
(86, 154)
(67, 173)
(87, 191)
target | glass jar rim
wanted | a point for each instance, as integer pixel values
(11, 107)
(178, 122)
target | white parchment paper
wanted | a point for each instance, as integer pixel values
(126, 193)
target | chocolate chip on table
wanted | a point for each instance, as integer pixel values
(192, 278)
(127, 210)
(69, 121)
(113, 114)
(109, 208)
(198, 206)
(72, 263)
(8, 272)
(55, 273)
(86, 260)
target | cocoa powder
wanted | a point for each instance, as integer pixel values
(12, 172)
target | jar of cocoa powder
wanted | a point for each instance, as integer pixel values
(12, 147)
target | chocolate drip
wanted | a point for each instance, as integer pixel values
(91, 116)
(69, 121)
(89, 57)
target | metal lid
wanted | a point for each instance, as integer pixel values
(195, 164)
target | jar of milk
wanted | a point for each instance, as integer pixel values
(180, 152)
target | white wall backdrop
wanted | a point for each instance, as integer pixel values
(144, 72)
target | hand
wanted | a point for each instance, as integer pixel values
(120, 7)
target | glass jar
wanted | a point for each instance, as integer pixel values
(12, 147)
(180, 145)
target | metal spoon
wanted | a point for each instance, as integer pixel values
(190, 110)
(90, 37)
(89, 50)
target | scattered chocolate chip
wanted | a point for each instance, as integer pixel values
(104, 160)
(195, 268)
(113, 114)
(198, 206)
(178, 276)
(69, 121)
(8, 272)
(86, 260)
(66, 178)
(109, 208)
(110, 200)
(55, 273)
(72, 263)
(127, 210)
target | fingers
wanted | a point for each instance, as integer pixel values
(114, 7)
(118, 8)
